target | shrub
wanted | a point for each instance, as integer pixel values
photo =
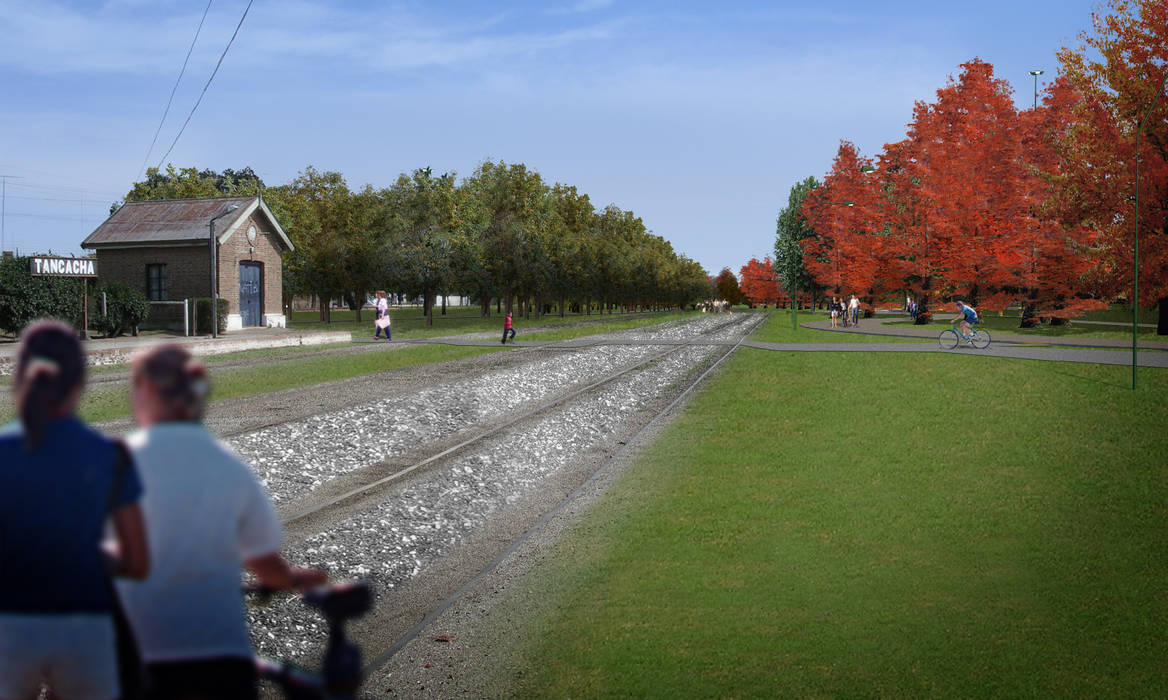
(24, 298)
(203, 315)
(125, 308)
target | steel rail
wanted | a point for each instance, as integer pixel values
(493, 430)
(518, 542)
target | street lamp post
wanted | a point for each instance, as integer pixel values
(1036, 73)
(1136, 246)
(215, 269)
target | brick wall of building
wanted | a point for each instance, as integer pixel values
(187, 268)
(266, 250)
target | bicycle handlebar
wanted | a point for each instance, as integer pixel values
(340, 674)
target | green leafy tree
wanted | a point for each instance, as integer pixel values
(24, 298)
(517, 210)
(126, 308)
(426, 226)
(726, 285)
(328, 227)
(572, 226)
(192, 183)
(791, 230)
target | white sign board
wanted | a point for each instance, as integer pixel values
(62, 267)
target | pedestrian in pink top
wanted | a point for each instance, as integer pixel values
(508, 328)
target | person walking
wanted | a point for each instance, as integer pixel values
(381, 323)
(60, 482)
(508, 328)
(210, 518)
(834, 308)
(854, 308)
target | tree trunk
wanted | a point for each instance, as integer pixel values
(429, 308)
(562, 307)
(484, 306)
(507, 296)
(443, 304)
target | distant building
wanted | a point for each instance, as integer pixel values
(163, 248)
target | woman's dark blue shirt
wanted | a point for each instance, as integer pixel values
(54, 502)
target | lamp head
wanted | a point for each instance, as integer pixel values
(1036, 72)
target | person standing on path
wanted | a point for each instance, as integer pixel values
(209, 518)
(382, 321)
(60, 482)
(834, 308)
(508, 328)
(854, 308)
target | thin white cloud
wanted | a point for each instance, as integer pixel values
(580, 7)
(124, 38)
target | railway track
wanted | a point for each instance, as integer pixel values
(300, 512)
(326, 514)
(378, 662)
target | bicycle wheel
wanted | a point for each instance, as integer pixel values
(981, 339)
(947, 340)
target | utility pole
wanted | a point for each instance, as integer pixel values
(4, 204)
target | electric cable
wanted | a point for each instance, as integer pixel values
(174, 89)
(204, 92)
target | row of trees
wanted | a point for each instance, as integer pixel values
(501, 233)
(1002, 205)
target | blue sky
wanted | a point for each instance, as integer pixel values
(697, 116)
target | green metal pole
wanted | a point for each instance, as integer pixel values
(794, 307)
(1136, 246)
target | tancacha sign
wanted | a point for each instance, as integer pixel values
(62, 267)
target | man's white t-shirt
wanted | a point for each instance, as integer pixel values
(205, 515)
(854, 303)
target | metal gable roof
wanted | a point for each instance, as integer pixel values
(176, 221)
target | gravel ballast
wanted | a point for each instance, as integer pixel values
(500, 485)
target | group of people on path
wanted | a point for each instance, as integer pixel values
(86, 614)
(844, 311)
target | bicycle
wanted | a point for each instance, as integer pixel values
(948, 339)
(340, 671)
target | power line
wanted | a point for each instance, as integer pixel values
(55, 188)
(56, 176)
(204, 92)
(174, 89)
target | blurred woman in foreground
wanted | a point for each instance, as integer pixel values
(209, 518)
(59, 483)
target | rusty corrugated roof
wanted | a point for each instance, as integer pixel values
(167, 221)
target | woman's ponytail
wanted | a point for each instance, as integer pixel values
(49, 368)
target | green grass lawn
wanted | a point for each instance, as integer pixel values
(410, 323)
(110, 401)
(831, 525)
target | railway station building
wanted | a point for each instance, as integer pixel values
(164, 248)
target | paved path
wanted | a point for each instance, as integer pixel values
(878, 326)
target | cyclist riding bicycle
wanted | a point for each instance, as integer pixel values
(967, 316)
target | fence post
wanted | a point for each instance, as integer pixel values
(186, 318)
